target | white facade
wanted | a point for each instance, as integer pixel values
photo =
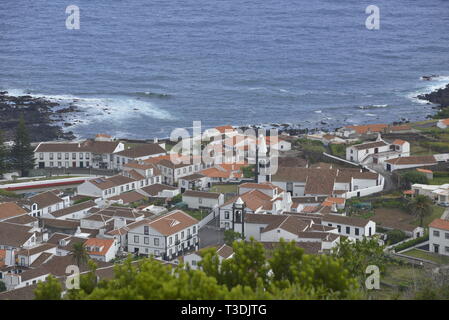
(197, 202)
(439, 240)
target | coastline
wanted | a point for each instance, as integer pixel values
(49, 120)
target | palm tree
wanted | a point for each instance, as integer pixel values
(80, 254)
(421, 207)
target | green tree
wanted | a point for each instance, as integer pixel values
(22, 153)
(2, 286)
(80, 254)
(411, 177)
(358, 255)
(51, 289)
(230, 236)
(3, 156)
(420, 206)
(88, 282)
(395, 236)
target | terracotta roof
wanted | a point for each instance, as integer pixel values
(172, 222)
(129, 197)
(370, 127)
(193, 177)
(46, 199)
(440, 224)
(99, 147)
(14, 235)
(225, 251)
(75, 208)
(35, 250)
(309, 199)
(263, 185)
(23, 219)
(444, 121)
(424, 170)
(399, 141)
(142, 166)
(154, 189)
(413, 160)
(103, 245)
(400, 127)
(223, 129)
(110, 182)
(201, 194)
(215, 173)
(143, 150)
(59, 223)
(253, 199)
(370, 145)
(10, 209)
(103, 135)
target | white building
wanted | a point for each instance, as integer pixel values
(138, 154)
(378, 151)
(167, 236)
(443, 123)
(101, 249)
(409, 162)
(43, 204)
(439, 236)
(202, 200)
(223, 252)
(83, 154)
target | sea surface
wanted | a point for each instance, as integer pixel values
(139, 68)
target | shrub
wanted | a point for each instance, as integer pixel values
(395, 236)
(411, 243)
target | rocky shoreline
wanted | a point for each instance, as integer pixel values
(440, 97)
(44, 118)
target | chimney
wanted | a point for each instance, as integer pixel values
(156, 140)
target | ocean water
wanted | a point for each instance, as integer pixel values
(141, 68)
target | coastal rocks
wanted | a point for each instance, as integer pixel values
(39, 114)
(440, 96)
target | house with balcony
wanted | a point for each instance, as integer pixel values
(167, 236)
(378, 151)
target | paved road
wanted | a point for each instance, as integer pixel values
(389, 184)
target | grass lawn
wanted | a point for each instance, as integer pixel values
(197, 214)
(439, 180)
(417, 150)
(395, 280)
(427, 256)
(225, 188)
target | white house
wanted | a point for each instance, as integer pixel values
(166, 236)
(96, 153)
(196, 181)
(202, 200)
(443, 123)
(43, 204)
(409, 162)
(223, 252)
(378, 151)
(138, 153)
(439, 236)
(101, 249)
(76, 211)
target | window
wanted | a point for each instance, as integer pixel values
(200, 200)
(436, 233)
(348, 230)
(190, 169)
(51, 156)
(446, 249)
(176, 238)
(182, 235)
(74, 156)
(41, 156)
(81, 156)
(194, 229)
(146, 230)
(339, 229)
(51, 164)
(356, 231)
(226, 214)
(446, 235)
(59, 164)
(156, 241)
(67, 156)
(136, 239)
(59, 155)
(184, 170)
(156, 253)
(170, 240)
(146, 240)
(87, 156)
(193, 262)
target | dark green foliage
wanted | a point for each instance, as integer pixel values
(22, 153)
(395, 236)
(411, 243)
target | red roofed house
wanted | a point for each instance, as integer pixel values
(439, 236)
(443, 123)
(101, 249)
(378, 151)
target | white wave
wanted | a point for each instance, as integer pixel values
(372, 106)
(435, 84)
(370, 114)
(318, 111)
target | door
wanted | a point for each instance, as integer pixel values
(376, 150)
(375, 161)
(74, 164)
(436, 248)
(41, 165)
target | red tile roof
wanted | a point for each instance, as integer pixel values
(440, 224)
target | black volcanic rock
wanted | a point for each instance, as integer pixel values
(38, 113)
(440, 96)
